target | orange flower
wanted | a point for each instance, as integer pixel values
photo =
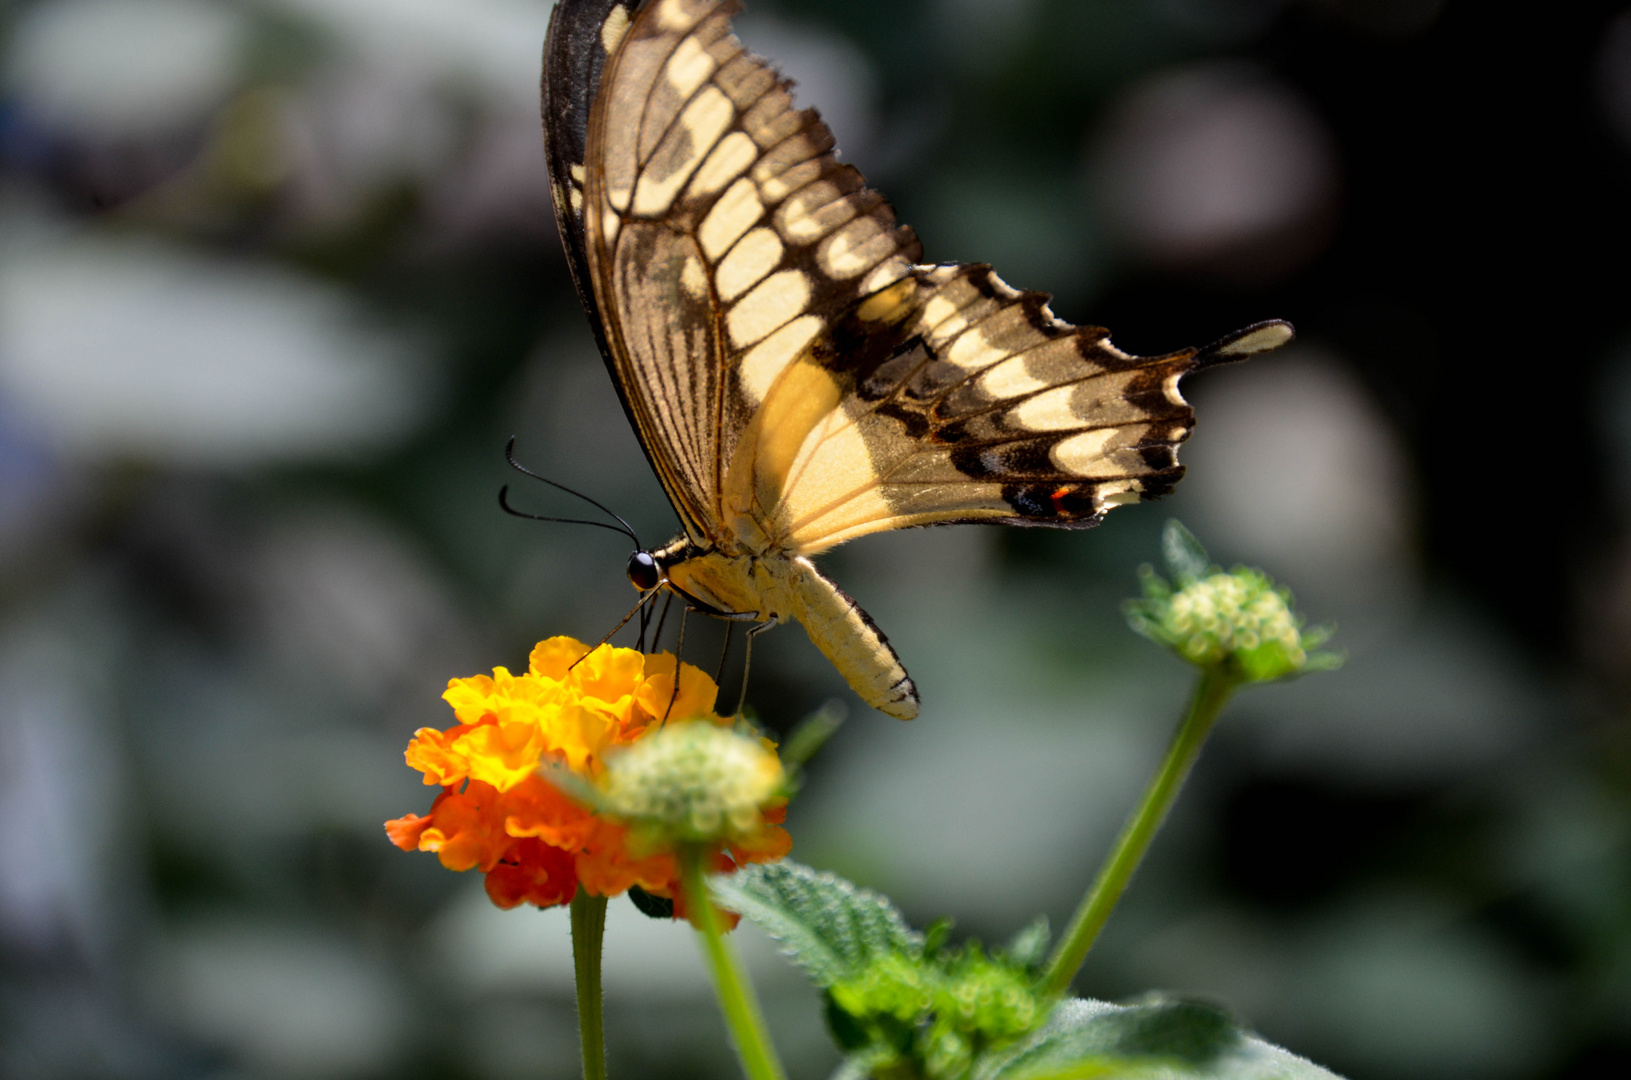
(572, 708)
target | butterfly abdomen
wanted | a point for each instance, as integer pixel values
(772, 587)
(847, 636)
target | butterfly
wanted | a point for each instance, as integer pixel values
(796, 375)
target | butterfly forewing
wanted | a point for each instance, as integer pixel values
(724, 237)
(582, 34)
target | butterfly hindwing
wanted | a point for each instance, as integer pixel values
(961, 399)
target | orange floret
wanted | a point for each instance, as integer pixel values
(768, 846)
(533, 873)
(466, 828)
(539, 809)
(609, 864)
(432, 753)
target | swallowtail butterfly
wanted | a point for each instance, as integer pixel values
(797, 375)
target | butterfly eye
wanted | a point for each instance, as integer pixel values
(643, 571)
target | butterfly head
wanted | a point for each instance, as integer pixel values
(648, 567)
(644, 572)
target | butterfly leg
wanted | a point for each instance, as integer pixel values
(724, 653)
(690, 603)
(679, 647)
(662, 620)
(644, 600)
(747, 660)
(731, 619)
(645, 627)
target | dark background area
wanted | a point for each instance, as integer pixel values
(278, 279)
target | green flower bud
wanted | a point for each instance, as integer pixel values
(940, 1009)
(1238, 618)
(693, 781)
(896, 986)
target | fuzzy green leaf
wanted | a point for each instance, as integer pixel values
(937, 935)
(1029, 947)
(1186, 559)
(1153, 585)
(826, 925)
(1160, 1038)
(857, 1067)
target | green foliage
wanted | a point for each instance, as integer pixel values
(937, 935)
(1158, 1037)
(829, 927)
(1238, 620)
(933, 1015)
(1029, 947)
(908, 1006)
(1187, 561)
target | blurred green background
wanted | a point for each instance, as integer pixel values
(278, 278)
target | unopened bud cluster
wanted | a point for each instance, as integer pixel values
(1238, 618)
(693, 781)
(1232, 613)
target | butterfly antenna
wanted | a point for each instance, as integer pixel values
(504, 504)
(626, 530)
(644, 600)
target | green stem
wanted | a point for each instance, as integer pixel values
(1211, 694)
(736, 997)
(588, 930)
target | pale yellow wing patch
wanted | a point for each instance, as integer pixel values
(724, 239)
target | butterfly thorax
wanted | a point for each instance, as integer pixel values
(723, 583)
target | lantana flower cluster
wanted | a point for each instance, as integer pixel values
(574, 710)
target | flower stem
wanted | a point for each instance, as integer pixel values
(588, 930)
(736, 997)
(1212, 692)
